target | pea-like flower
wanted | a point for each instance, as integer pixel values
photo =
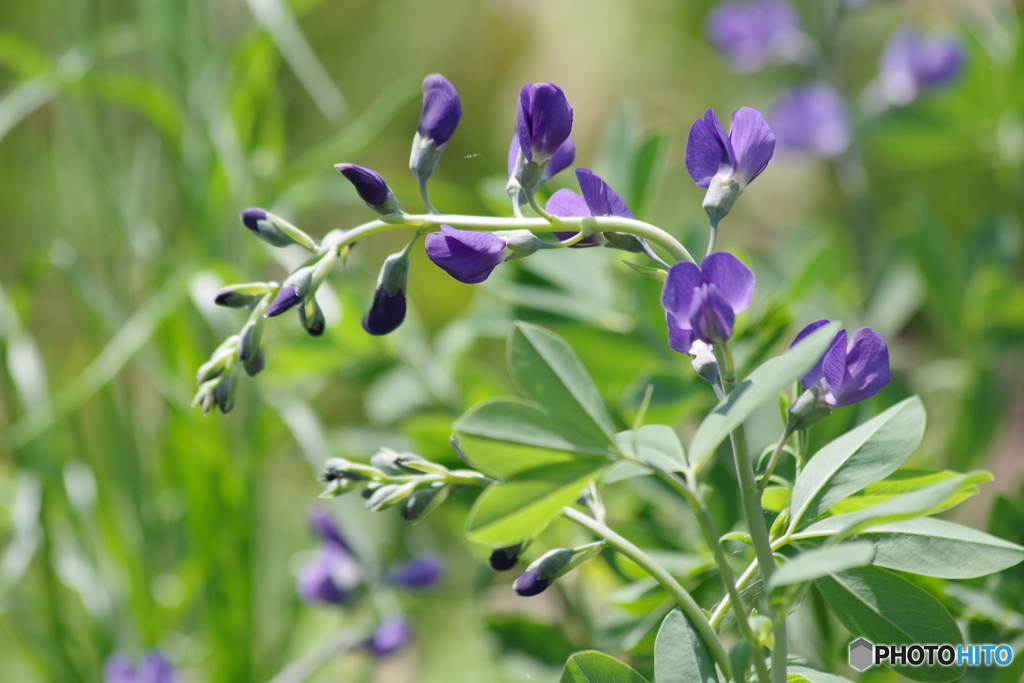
(329, 577)
(543, 120)
(154, 669)
(912, 63)
(388, 309)
(851, 371)
(753, 34)
(422, 571)
(701, 303)
(389, 637)
(470, 256)
(812, 117)
(439, 118)
(370, 187)
(598, 199)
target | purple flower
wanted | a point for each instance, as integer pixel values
(441, 110)
(742, 154)
(154, 669)
(388, 309)
(321, 521)
(751, 34)
(422, 571)
(370, 187)
(912, 63)
(389, 637)
(598, 199)
(812, 117)
(466, 255)
(701, 303)
(543, 120)
(330, 577)
(848, 373)
(560, 160)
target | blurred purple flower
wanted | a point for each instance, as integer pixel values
(466, 255)
(422, 571)
(701, 302)
(742, 154)
(154, 669)
(560, 160)
(441, 112)
(543, 120)
(389, 637)
(329, 577)
(321, 521)
(812, 117)
(752, 34)
(912, 63)
(848, 373)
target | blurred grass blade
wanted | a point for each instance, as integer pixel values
(23, 100)
(24, 530)
(21, 56)
(125, 344)
(276, 19)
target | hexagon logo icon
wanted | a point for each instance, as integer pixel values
(862, 654)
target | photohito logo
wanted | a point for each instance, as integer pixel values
(864, 654)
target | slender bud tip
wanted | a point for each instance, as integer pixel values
(529, 583)
(287, 298)
(251, 216)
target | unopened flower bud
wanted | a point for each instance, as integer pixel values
(503, 559)
(807, 409)
(422, 571)
(388, 309)
(293, 290)
(312, 316)
(255, 363)
(242, 296)
(389, 637)
(416, 505)
(438, 120)
(390, 494)
(224, 393)
(543, 571)
(721, 195)
(370, 187)
(392, 463)
(274, 229)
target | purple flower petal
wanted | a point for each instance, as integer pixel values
(600, 197)
(329, 577)
(529, 583)
(707, 149)
(386, 314)
(466, 255)
(321, 521)
(389, 637)
(441, 110)
(678, 293)
(711, 315)
(867, 368)
(680, 333)
(287, 297)
(523, 127)
(734, 281)
(752, 142)
(369, 184)
(836, 354)
(812, 117)
(750, 34)
(422, 571)
(937, 60)
(118, 669)
(560, 160)
(567, 204)
(156, 669)
(546, 118)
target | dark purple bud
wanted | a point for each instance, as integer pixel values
(321, 521)
(252, 216)
(848, 373)
(422, 571)
(503, 559)
(386, 313)
(370, 187)
(268, 228)
(752, 34)
(700, 302)
(314, 324)
(287, 297)
(233, 298)
(543, 120)
(389, 637)
(441, 110)
(529, 583)
(813, 118)
(466, 255)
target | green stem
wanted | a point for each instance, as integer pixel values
(711, 536)
(303, 668)
(682, 597)
(712, 238)
(426, 197)
(774, 460)
(741, 583)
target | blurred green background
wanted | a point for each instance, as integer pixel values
(132, 133)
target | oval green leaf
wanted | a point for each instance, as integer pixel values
(680, 655)
(597, 667)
